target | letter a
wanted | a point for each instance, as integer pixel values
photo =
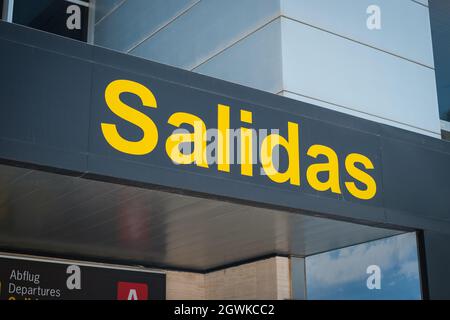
(74, 20)
(132, 295)
(374, 280)
(74, 280)
(374, 20)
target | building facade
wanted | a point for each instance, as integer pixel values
(344, 82)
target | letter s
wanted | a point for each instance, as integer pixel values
(361, 176)
(112, 136)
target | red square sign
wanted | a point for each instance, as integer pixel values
(132, 291)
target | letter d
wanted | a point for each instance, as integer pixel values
(291, 145)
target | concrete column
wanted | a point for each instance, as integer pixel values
(267, 279)
(298, 278)
(185, 286)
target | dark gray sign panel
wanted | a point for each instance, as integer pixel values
(157, 167)
(23, 278)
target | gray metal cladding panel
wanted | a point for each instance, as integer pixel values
(255, 61)
(62, 215)
(358, 78)
(44, 119)
(105, 7)
(437, 264)
(404, 27)
(205, 30)
(44, 41)
(135, 20)
(157, 168)
(440, 27)
(416, 179)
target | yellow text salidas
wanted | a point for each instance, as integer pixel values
(363, 185)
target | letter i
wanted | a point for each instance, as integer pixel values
(223, 139)
(246, 145)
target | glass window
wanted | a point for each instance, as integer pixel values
(382, 269)
(440, 29)
(56, 16)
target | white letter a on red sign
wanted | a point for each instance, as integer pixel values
(132, 295)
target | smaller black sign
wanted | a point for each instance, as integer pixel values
(23, 278)
(64, 18)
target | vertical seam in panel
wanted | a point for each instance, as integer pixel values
(91, 94)
(91, 22)
(291, 295)
(381, 144)
(305, 279)
(281, 50)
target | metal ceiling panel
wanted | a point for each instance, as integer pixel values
(61, 215)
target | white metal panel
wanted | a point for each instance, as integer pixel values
(335, 70)
(405, 24)
(356, 113)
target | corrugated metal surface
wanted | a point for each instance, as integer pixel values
(62, 215)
